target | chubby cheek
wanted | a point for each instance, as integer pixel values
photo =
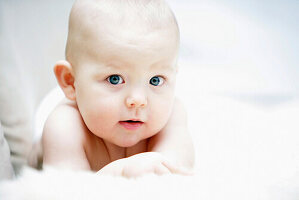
(100, 114)
(159, 113)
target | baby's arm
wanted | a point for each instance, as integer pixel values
(63, 138)
(174, 141)
(138, 165)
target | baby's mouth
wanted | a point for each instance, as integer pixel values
(131, 124)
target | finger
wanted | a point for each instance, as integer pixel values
(161, 170)
(177, 170)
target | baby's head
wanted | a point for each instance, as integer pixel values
(121, 67)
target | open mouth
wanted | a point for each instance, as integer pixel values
(131, 124)
(133, 121)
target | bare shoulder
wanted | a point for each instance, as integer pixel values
(179, 113)
(64, 136)
(65, 116)
(64, 121)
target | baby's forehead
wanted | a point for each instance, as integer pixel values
(120, 23)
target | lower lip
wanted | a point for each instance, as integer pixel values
(131, 125)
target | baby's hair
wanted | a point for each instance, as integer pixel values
(146, 14)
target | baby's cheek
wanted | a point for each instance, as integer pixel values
(108, 111)
(159, 116)
(102, 115)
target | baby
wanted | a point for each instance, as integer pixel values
(120, 115)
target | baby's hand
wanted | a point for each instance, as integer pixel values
(141, 164)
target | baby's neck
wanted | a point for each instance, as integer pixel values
(116, 152)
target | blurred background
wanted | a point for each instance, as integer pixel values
(246, 49)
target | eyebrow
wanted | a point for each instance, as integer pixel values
(120, 66)
(163, 67)
(111, 67)
(115, 65)
(108, 67)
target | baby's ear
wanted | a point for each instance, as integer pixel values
(65, 78)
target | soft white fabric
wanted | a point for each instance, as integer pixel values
(243, 151)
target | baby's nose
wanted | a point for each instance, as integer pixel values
(137, 101)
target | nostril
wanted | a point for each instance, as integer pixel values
(135, 102)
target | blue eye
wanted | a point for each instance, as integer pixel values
(115, 79)
(157, 80)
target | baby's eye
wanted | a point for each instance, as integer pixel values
(157, 80)
(115, 79)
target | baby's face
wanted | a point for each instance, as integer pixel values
(124, 83)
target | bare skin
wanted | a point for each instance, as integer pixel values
(77, 148)
(120, 115)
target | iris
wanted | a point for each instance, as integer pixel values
(115, 79)
(156, 80)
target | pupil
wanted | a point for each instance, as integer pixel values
(114, 79)
(155, 81)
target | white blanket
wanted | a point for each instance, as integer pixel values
(243, 151)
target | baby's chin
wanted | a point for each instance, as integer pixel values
(127, 143)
